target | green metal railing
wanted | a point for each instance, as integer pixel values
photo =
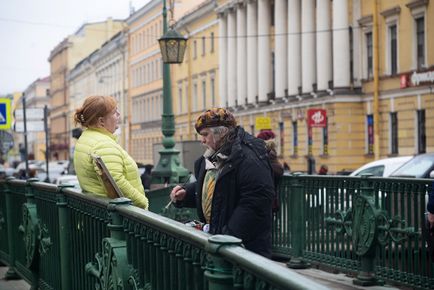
(372, 227)
(58, 238)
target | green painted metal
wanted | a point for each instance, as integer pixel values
(298, 228)
(159, 202)
(218, 270)
(169, 169)
(12, 272)
(388, 234)
(144, 250)
(111, 267)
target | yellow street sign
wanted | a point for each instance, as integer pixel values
(5, 113)
(263, 123)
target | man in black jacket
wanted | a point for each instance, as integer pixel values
(234, 189)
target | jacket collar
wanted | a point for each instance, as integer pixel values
(103, 131)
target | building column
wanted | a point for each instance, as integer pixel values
(232, 58)
(264, 51)
(357, 59)
(241, 55)
(280, 63)
(341, 45)
(323, 45)
(308, 56)
(223, 89)
(294, 47)
(252, 51)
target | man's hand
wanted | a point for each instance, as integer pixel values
(431, 219)
(178, 193)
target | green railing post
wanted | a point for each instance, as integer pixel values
(30, 228)
(112, 264)
(12, 272)
(219, 272)
(298, 217)
(364, 233)
(64, 237)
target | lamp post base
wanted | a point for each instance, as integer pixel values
(169, 169)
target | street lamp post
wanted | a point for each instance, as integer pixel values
(169, 168)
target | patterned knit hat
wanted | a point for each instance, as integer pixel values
(266, 135)
(215, 117)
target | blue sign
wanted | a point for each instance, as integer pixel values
(5, 113)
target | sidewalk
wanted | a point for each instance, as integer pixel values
(332, 281)
(11, 284)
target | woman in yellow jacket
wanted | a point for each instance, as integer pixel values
(100, 117)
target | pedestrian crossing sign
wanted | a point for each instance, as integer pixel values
(5, 113)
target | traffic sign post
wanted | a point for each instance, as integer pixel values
(5, 113)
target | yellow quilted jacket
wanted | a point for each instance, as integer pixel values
(120, 165)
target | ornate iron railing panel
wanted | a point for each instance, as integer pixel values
(49, 267)
(396, 233)
(4, 243)
(87, 220)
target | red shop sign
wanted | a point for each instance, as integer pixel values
(317, 118)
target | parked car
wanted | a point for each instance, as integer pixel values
(68, 179)
(382, 167)
(420, 166)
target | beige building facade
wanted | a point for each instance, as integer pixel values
(103, 72)
(288, 59)
(62, 59)
(145, 72)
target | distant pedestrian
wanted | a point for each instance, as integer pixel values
(324, 169)
(100, 117)
(286, 168)
(146, 176)
(268, 136)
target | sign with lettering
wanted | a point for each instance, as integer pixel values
(263, 123)
(416, 79)
(317, 118)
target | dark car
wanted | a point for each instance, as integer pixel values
(420, 166)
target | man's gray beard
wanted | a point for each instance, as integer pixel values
(208, 152)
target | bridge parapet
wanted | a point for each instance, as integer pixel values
(110, 244)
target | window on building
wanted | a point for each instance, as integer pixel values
(294, 138)
(281, 139)
(421, 131)
(325, 139)
(369, 54)
(204, 94)
(393, 133)
(203, 45)
(212, 42)
(420, 42)
(180, 98)
(370, 134)
(393, 53)
(351, 34)
(212, 87)
(194, 49)
(195, 97)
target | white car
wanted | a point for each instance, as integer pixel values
(68, 179)
(382, 167)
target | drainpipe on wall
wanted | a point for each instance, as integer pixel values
(189, 89)
(376, 84)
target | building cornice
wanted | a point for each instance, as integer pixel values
(366, 20)
(416, 4)
(142, 11)
(203, 9)
(391, 12)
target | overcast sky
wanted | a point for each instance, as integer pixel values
(30, 29)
